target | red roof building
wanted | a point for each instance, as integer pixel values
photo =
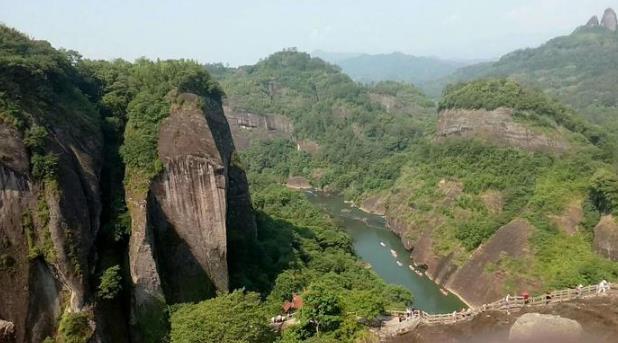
(295, 304)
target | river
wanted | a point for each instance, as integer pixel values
(368, 231)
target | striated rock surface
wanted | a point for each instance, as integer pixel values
(606, 237)
(496, 127)
(609, 20)
(48, 228)
(179, 243)
(536, 327)
(509, 242)
(247, 127)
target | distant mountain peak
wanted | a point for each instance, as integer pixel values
(593, 22)
(609, 20)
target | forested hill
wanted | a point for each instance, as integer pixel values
(580, 69)
(394, 66)
(357, 129)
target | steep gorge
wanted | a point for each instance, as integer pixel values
(188, 199)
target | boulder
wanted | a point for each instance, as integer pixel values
(298, 182)
(7, 332)
(606, 237)
(536, 327)
(609, 20)
(374, 204)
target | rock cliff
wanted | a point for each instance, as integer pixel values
(606, 237)
(179, 242)
(609, 20)
(247, 127)
(497, 127)
(49, 225)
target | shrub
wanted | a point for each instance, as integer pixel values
(44, 167)
(74, 328)
(236, 317)
(110, 283)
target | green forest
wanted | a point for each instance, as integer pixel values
(373, 140)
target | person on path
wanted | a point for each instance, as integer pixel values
(604, 286)
(507, 303)
(579, 290)
(547, 298)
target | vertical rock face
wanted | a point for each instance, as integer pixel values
(496, 127)
(606, 237)
(48, 229)
(609, 20)
(509, 242)
(179, 242)
(248, 127)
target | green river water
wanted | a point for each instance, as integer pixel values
(368, 231)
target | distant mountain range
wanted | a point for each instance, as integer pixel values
(395, 66)
(580, 69)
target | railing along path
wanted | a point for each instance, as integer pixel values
(514, 303)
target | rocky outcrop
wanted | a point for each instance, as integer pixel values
(7, 332)
(48, 226)
(609, 20)
(509, 242)
(308, 146)
(375, 204)
(247, 127)
(568, 221)
(606, 237)
(496, 127)
(593, 22)
(179, 243)
(298, 182)
(536, 327)
(598, 317)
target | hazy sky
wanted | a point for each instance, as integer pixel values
(241, 32)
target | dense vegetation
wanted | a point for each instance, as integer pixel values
(356, 131)
(299, 251)
(498, 185)
(529, 105)
(580, 69)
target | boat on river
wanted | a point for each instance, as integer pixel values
(394, 253)
(382, 244)
(444, 291)
(399, 263)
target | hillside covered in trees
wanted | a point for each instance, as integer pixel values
(448, 195)
(580, 69)
(126, 214)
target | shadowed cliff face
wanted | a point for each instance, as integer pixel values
(179, 242)
(48, 228)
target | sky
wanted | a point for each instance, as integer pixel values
(239, 32)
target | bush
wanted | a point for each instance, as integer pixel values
(74, 328)
(44, 167)
(110, 283)
(237, 317)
